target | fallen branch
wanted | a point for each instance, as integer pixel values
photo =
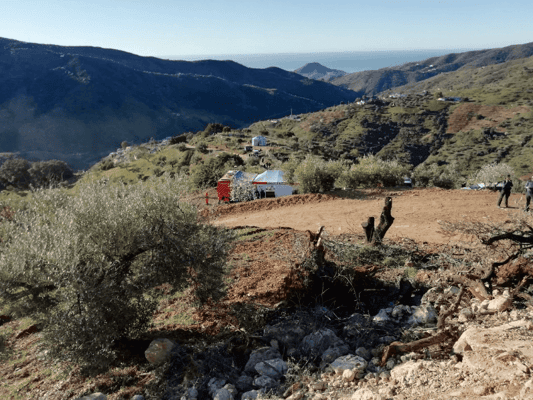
(441, 336)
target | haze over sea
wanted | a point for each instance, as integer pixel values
(353, 61)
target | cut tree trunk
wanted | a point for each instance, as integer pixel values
(375, 236)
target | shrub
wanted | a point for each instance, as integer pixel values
(84, 267)
(15, 172)
(178, 139)
(202, 148)
(316, 175)
(182, 147)
(446, 177)
(106, 165)
(45, 173)
(371, 171)
(124, 144)
(207, 173)
(242, 191)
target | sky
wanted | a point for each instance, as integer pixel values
(162, 28)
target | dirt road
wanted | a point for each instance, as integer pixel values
(417, 212)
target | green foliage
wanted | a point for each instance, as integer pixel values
(211, 170)
(107, 165)
(202, 148)
(371, 171)
(446, 177)
(178, 139)
(15, 172)
(316, 175)
(84, 267)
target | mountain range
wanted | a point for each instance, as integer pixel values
(376, 81)
(79, 103)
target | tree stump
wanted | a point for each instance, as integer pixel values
(374, 236)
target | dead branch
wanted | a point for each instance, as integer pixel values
(441, 336)
(373, 235)
(527, 239)
(453, 309)
(399, 347)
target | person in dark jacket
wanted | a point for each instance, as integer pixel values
(529, 192)
(505, 191)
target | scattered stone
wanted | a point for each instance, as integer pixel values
(260, 355)
(274, 369)
(349, 361)
(93, 396)
(159, 350)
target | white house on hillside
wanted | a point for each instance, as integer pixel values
(259, 141)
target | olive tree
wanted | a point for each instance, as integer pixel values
(85, 266)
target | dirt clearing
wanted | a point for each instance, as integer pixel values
(417, 212)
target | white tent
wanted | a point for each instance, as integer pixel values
(272, 183)
(259, 141)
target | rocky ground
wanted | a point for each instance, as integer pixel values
(286, 332)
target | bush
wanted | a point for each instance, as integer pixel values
(316, 175)
(446, 177)
(242, 191)
(124, 144)
(371, 171)
(178, 139)
(15, 172)
(84, 267)
(46, 173)
(202, 148)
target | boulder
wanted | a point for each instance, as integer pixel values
(425, 314)
(265, 382)
(93, 396)
(275, 368)
(318, 342)
(260, 355)
(349, 361)
(159, 350)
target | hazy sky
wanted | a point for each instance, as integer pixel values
(201, 27)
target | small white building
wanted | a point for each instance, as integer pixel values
(259, 141)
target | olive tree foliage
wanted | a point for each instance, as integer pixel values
(370, 171)
(316, 175)
(85, 266)
(446, 177)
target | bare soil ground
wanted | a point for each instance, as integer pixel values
(417, 212)
(464, 117)
(272, 238)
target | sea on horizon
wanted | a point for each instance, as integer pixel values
(353, 61)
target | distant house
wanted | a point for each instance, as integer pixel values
(259, 141)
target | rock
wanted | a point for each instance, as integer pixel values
(365, 394)
(382, 315)
(500, 303)
(159, 350)
(193, 393)
(348, 375)
(527, 390)
(349, 361)
(244, 383)
(333, 353)
(259, 355)
(251, 395)
(93, 396)
(274, 369)
(425, 314)
(223, 394)
(465, 315)
(215, 384)
(265, 382)
(363, 352)
(318, 342)
(289, 334)
(140, 397)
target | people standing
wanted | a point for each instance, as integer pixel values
(529, 192)
(505, 191)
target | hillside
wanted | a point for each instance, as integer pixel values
(374, 82)
(79, 103)
(319, 72)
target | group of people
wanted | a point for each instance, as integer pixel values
(505, 192)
